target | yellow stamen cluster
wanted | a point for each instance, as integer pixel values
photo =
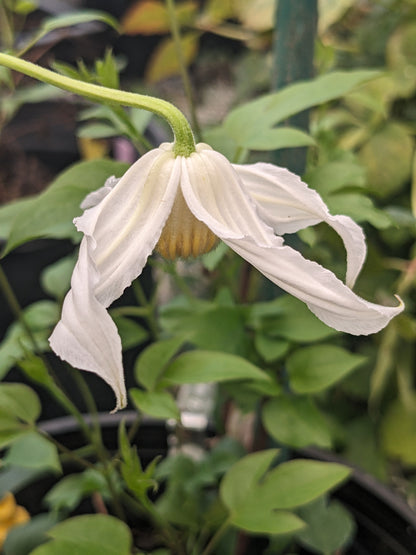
(11, 515)
(183, 235)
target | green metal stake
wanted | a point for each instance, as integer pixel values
(293, 53)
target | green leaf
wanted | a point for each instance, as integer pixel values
(256, 117)
(131, 333)
(288, 318)
(270, 348)
(137, 480)
(398, 431)
(210, 366)
(359, 207)
(241, 492)
(315, 368)
(56, 278)
(75, 18)
(16, 478)
(387, 156)
(151, 363)
(25, 538)
(88, 535)
(280, 137)
(33, 451)
(330, 527)
(68, 492)
(207, 325)
(159, 404)
(50, 214)
(19, 401)
(296, 421)
(39, 317)
(286, 486)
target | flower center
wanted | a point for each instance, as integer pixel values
(184, 235)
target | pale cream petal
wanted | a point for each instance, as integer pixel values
(215, 195)
(86, 336)
(95, 197)
(126, 225)
(288, 204)
(326, 296)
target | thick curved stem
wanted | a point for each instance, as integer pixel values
(184, 139)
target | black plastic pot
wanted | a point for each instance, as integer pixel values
(386, 525)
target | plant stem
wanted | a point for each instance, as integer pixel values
(216, 537)
(176, 35)
(184, 139)
(15, 307)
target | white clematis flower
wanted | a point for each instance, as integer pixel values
(182, 206)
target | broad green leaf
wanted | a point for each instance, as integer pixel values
(315, 368)
(39, 317)
(51, 213)
(164, 61)
(16, 478)
(296, 421)
(151, 363)
(387, 157)
(131, 333)
(97, 131)
(330, 527)
(254, 496)
(210, 366)
(270, 348)
(288, 318)
(150, 17)
(256, 117)
(159, 404)
(9, 212)
(208, 326)
(280, 137)
(336, 175)
(19, 401)
(244, 476)
(68, 492)
(33, 451)
(56, 278)
(75, 18)
(359, 207)
(88, 535)
(23, 539)
(398, 430)
(10, 431)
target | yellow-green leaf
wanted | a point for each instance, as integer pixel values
(151, 17)
(164, 61)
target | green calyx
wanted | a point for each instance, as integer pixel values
(184, 140)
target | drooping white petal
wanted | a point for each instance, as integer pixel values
(326, 296)
(86, 336)
(127, 223)
(94, 198)
(215, 195)
(288, 204)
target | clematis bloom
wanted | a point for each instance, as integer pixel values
(182, 206)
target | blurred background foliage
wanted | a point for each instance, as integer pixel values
(361, 159)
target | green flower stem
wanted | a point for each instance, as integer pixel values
(176, 35)
(167, 532)
(184, 139)
(216, 537)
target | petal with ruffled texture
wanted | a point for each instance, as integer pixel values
(288, 205)
(127, 223)
(215, 195)
(326, 296)
(86, 336)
